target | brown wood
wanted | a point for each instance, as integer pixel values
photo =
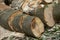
(48, 15)
(32, 26)
(48, 1)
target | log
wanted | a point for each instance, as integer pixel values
(4, 18)
(14, 20)
(34, 27)
(44, 15)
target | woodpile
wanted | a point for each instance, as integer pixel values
(44, 15)
(32, 17)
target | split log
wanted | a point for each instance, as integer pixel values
(16, 21)
(30, 25)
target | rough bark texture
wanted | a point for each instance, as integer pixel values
(4, 18)
(30, 25)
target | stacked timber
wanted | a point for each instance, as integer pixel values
(14, 20)
(41, 11)
(49, 14)
(44, 15)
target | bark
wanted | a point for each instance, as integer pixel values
(48, 15)
(4, 18)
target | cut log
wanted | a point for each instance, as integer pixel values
(32, 25)
(44, 15)
(8, 2)
(16, 21)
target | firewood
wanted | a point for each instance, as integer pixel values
(48, 15)
(15, 20)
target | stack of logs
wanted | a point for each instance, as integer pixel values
(30, 23)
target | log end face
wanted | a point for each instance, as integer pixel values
(38, 28)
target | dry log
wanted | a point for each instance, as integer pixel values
(16, 21)
(8, 2)
(32, 25)
(28, 24)
(48, 15)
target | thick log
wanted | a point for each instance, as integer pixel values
(32, 26)
(16, 21)
(4, 18)
(48, 15)
(48, 1)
